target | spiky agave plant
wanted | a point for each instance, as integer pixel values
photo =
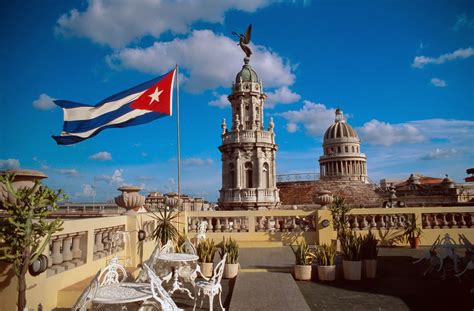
(351, 245)
(369, 247)
(303, 255)
(230, 247)
(206, 249)
(165, 229)
(325, 255)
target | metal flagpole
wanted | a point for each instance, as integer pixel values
(178, 134)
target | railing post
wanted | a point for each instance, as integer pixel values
(323, 234)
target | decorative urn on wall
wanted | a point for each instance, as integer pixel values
(131, 200)
(323, 198)
(23, 179)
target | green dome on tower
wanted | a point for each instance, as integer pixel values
(247, 73)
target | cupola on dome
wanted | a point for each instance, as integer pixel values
(340, 129)
(247, 74)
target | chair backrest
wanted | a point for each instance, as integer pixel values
(167, 248)
(113, 273)
(87, 295)
(188, 247)
(159, 293)
(151, 262)
(219, 270)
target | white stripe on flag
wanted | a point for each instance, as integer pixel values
(133, 114)
(87, 113)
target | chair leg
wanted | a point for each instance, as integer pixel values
(220, 300)
(196, 293)
(211, 302)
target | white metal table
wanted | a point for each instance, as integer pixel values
(122, 293)
(175, 260)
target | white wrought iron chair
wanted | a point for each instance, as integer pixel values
(150, 262)
(159, 293)
(87, 295)
(113, 273)
(211, 287)
(189, 273)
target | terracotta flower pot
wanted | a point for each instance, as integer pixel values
(327, 273)
(206, 268)
(303, 272)
(231, 270)
(370, 268)
(414, 242)
(352, 270)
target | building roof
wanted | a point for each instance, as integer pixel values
(247, 74)
(340, 129)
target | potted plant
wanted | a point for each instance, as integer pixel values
(352, 265)
(412, 233)
(230, 247)
(165, 229)
(206, 250)
(339, 211)
(325, 255)
(369, 252)
(303, 259)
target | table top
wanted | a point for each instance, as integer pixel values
(122, 293)
(178, 257)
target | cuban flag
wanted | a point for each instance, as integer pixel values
(140, 104)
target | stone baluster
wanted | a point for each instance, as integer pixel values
(210, 227)
(193, 225)
(235, 225)
(471, 222)
(373, 224)
(462, 221)
(452, 222)
(425, 221)
(445, 222)
(294, 226)
(381, 222)
(218, 225)
(435, 221)
(67, 253)
(244, 226)
(391, 224)
(57, 256)
(226, 224)
(260, 226)
(355, 223)
(277, 224)
(271, 224)
(98, 245)
(364, 225)
(76, 249)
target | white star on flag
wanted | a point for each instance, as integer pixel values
(155, 97)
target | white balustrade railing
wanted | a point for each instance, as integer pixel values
(108, 241)
(248, 136)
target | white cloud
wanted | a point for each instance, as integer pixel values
(221, 101)
(69, 172)
(463, 21)
(421, 61)
(196, 162)
(291, 127)
(119, 22)
(440, 154)
(282, 95)
(44, 102)
(43, 164)
(101, 156)
(9, 164)
(438, 82)
(210, 61)
(88, 190)
(381, 133)
(315, 118)
(116, 178)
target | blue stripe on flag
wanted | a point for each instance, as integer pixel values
(79, 126)
(72, 139)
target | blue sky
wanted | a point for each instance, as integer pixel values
(402, 71)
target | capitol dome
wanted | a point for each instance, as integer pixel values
(342, 159)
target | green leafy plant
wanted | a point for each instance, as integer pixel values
(325, 255)
(25, 231)
(411, 231)
(369, 248)
(165, 229)
(206, 249)
(351, 245)
(339, 211)
(303, 255)
(230, 247)
(388, 237)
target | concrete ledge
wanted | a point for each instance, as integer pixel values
(266, 291)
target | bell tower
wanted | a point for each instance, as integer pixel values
(248, 149)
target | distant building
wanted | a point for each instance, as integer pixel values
(342, 158)
(471, 172)
(248, 149)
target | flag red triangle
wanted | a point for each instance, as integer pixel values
(159, 97)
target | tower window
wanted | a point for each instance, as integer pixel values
(353, 149)
(248, 175)
(266, 176)
(339, 149)
(346, 149)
